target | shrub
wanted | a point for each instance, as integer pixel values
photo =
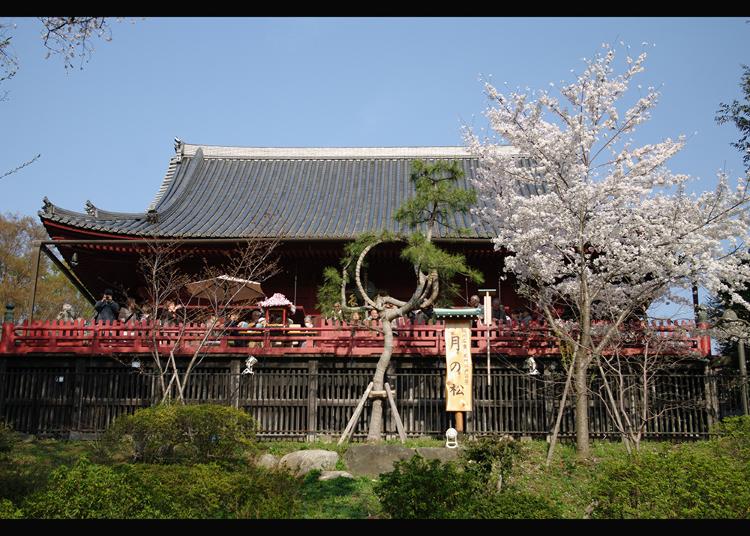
(146, 491)
(687, 481)
(88, 491)
(8, 438)
(211, 491)
(181, 434)
(509, 504)
(491, 459)
(421, 489)
(732, 437)
(9, 511)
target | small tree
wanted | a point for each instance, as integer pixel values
(631, 383)
(436, 198)
(612, 230)
(163, 269)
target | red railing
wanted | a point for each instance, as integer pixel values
(327, 338)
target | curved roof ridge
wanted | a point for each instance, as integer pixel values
(221, 151)
(167, 181)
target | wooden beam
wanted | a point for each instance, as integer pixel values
(357, 411)
(36, 257)
(69, 274)
(396, 416)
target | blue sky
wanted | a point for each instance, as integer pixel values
(105, 132)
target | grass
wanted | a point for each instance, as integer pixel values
(340, 498)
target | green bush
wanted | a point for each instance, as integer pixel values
(8, 438)
(422, 489)
(181, 434)
(732, 437)
(212, 492)
(508, 504)
(491, 459)
(687, 481)
(88, 491)
(9, 511)
(145, 491)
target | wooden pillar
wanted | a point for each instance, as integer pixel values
(312, 399)
(79, 376)
(35, 263)
(712, 398)
(234, 383)
(459, 417)
(3, 381)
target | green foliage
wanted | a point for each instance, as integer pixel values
(155, 491)
(427, 256)
(422, 489)
(210, 491)
(686, 481)
(8, 438)
(436, 196)
(733, 437)
(88, 491)
(739, 113)
(182, 434)
(510, 504)
(9, 511)
(491, 459)
(330, 291)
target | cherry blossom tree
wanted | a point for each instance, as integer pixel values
(612, 229)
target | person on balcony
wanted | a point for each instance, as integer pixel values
(336, 314)
(373, 320)
(106, 308)
(66, 314)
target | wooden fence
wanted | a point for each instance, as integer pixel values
(305, 400)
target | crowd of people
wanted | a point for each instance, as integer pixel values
(109, 309)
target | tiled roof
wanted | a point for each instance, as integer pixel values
(303, 193)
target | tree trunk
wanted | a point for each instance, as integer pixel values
(582, 403)
(378, 383)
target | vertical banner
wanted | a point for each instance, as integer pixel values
(459, 368)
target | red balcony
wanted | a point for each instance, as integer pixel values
(329, 338)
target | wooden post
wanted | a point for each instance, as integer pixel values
(234, 383)
(357, 411)
(3, 380)
(312, 399)
(459, 421)
(394, 413)
(35, 263)
(78, 379)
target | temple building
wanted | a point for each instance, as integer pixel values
(314, 199)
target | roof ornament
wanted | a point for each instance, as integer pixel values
(178, 143)
(48, 207)
(91, 210)
(152, 216)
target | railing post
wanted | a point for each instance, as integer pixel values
(312, 399)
